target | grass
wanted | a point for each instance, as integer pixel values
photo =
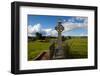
(77, 48)
(36, 47)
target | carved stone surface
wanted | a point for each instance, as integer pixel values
(59, 52)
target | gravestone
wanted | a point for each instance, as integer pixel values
(59, 52)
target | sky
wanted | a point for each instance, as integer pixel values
(45, 24)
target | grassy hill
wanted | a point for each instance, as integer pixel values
(75, 47)
(36, 47)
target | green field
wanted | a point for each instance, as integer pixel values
(74, 47)
(36, 47)
(77, 48)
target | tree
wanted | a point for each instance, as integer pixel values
(38, 35)
(63, 38)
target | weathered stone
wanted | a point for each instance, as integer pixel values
(59, 52)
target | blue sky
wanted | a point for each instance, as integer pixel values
(74, 26)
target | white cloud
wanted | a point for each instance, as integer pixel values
(83, 34)
(70, 24)
(32, 29)
(64, 20)
(53, 33)
(47, 31)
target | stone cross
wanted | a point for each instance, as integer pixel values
(59, 28)
(59, 50)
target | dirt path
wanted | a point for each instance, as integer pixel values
(43, 56)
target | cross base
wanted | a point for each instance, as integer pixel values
(59, 54)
